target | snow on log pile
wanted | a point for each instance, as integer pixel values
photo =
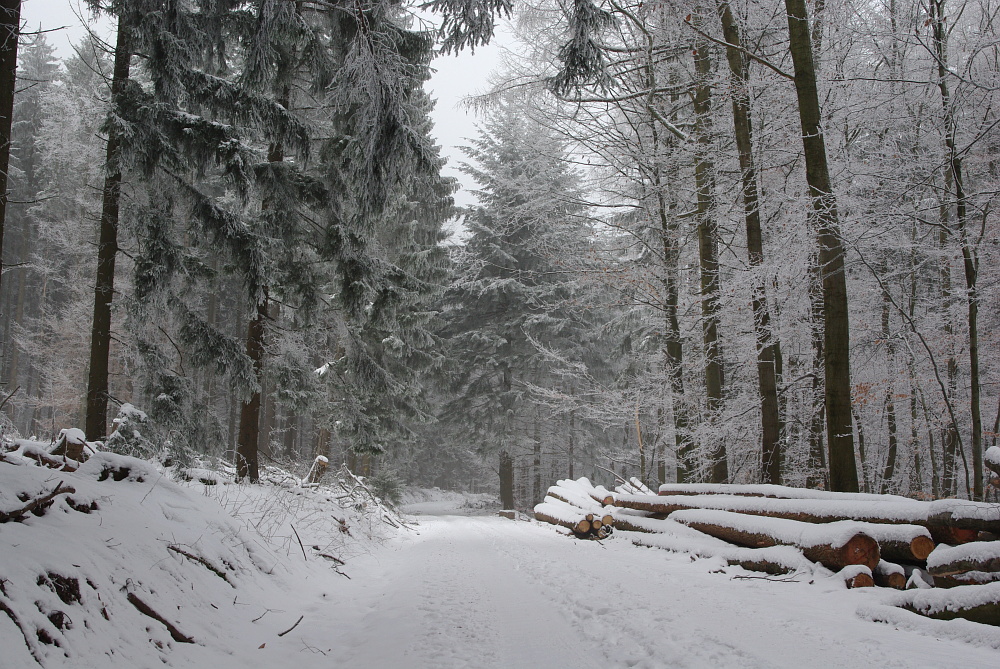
(578, 506)
(109, 560)
(885, 540)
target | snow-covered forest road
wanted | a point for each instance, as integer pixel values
(488, 592)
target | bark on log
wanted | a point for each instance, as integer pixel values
(776, 561)
(835, 553)
(966, 578)
(915, 550)
(953, 536)
(601, 496)
(625, 523)
(978, 603)
(818, 512)
(909, 544)
(981, 556)
(860, 549)
(581, 526)
(772, 492)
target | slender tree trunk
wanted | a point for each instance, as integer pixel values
(674, 348)
(506, 457)
(708, 245)
(571, 447)
(949, 434)
(107, 252)
(819, 473)
(889, 403)
(538, 493)
(767, 344)
(836, 324)
(249, 438)
(863, 473)
(249, 430)
(970, 261)
(10, 30)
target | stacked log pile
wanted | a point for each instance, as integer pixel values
(578, 506)
(884, 540)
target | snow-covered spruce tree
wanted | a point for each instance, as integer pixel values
(392, 345)
(300, 230)
(511, 298)
(174, 122)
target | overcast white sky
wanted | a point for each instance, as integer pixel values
(455, 76)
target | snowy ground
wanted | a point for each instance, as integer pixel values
(455, 591)
(488, 592)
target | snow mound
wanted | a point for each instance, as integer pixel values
(115, 564)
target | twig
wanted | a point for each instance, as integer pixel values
(330, 557)
(5, 400)
(202, 561)
(292, 627)
(266, 611)
(304, 557)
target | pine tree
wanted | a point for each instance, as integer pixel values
(511, 300)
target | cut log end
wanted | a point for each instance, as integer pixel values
(861, 549)
(895, 580)
(921, 547)
(861, 580)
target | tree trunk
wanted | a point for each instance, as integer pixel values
(708, 244)
(970, 261)
(506, 479)
(249, 435)
(889, 472)
(10, 30)
(249, 430)
(767, 345)
(819, 474)
(107, 251)
(836, 324)
(537, 492)
(673, 349)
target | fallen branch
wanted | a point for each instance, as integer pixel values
(146, 610)
(18, 514)
(300, 542)
(292, 627)
(202, 561)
